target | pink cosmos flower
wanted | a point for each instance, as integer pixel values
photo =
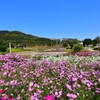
(78, 85)
(74, 79)
(39, 91)
(56, 93)
(30, 84)
(13, 82)
(98, 90)
(30, 89)
(18, 98)
(4, 74)
(99, 79)
(69, 87)
(72, 96)
(32, 98)
(60, 92)
(49, 97)
(5, 96)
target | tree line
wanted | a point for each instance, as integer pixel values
(86, 42)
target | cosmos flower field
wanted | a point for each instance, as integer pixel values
(52, 78)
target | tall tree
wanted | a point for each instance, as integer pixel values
(87, 42)
(96, 41)
(71, 42)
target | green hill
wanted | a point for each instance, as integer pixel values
(18, 38)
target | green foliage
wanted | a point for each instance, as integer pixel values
(68, 50)
(3, 48)
(87, 42)
(65, 44)
(15, 49)
(71, 42)
(37, 57)
(20, 40)
(96, 41)
(77, 47)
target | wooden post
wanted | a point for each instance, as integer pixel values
(10, 47)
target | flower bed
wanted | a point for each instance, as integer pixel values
(22, 79)
(84, 53)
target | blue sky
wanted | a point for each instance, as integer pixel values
(52, 18)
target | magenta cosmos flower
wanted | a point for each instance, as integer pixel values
(2, 99)
(11, 99)
(1, 91)
(49, 97)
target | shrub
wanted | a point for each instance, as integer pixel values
(77, 47)
(37, 57)
(3, 48)
(65, 44)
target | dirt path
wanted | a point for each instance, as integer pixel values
(31, 53)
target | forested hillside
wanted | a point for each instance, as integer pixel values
(18, 38)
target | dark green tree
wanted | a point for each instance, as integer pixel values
(71, 42)
(96, 41)
(87, 42)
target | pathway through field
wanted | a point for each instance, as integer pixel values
(31, 53)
